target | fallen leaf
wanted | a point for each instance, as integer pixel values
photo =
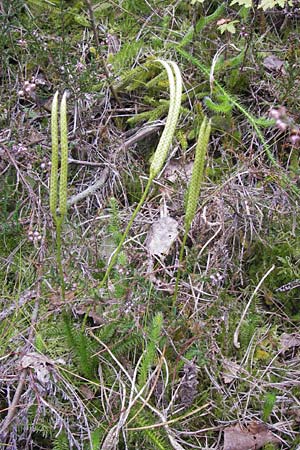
(90, 309)
(254, 437)
(270, 4)
(272, 62)
(55, 300)
(106, 248)
(229, 27)
(178, 169)
(288, 341)
(295, 412)
(245, 3)
(223, 21)
(161, 236)
(40, 365)
(231, 371)
(87, 393)
(188, 388)
(34, 138)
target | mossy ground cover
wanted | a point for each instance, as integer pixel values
(131, 368)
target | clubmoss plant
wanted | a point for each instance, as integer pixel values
(194, 190)
(268, 405)
(58, 200)
(154, 335)
(255, 122)
(58, 207)
(160, 155)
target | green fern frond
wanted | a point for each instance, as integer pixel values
(43, 426)
(156, 436)
(150, 116)
(154, 335)
(235, 61)
(96, 438)
(107, 332)
(264, 123)
(249, 326)
(127, 345)
(151, 101)
(204, 21)
(84, 354)
(155, 114)
(82, 348)
(126, 55)
(268, 405)
(229, 63)
(61, 442)
(155, 331)
(188, 37)
(69, 331)
(189, 355)
(156, 81)
(222, 107)
(136, 78)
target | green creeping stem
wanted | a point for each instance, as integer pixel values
(253, 121)
(160, 155)
(59, 211)
(194, 191)
(202, 22)
(222, 107)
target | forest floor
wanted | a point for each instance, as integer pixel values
(131, 360)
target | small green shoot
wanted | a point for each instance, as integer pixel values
(269, 403)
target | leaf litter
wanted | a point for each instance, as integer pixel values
(252, 437)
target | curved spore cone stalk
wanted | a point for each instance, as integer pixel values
(161, 153)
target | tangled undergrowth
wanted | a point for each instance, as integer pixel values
(124, 363)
